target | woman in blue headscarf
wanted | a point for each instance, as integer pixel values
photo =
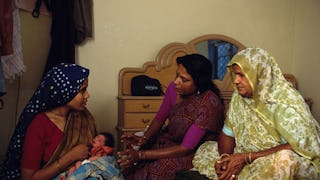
(54, 128)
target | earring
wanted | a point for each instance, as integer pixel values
(198, 92)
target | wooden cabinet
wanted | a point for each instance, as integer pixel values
(135, 113)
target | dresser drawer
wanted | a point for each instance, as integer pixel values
(142, 105)
(138, 120)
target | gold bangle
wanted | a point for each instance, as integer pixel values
(140, 154)
(58, 166)
(245, 158)
(224, 155)
(250, 158)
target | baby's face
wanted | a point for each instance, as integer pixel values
(99, 141)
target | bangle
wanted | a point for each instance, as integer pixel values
(224, 155)
(58, 166)
(250, 158)
(141, 156)
(246, 158)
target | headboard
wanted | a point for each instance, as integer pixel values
(164, 66)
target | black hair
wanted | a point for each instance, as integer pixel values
(109, 139)
(200, 69)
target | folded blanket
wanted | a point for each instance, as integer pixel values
(104, 167)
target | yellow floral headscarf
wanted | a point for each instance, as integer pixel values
(278, 106)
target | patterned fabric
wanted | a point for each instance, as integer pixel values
(205, 158)
(104, 167)
(275, 115)
(59, 86)
(161, 169)
(276, 110)
(199, 110)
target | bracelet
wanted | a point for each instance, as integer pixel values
(224, 155)
(250, 158)
(246, 158)
(140, 154)
(58, 165)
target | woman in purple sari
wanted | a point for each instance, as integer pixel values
(195, 111)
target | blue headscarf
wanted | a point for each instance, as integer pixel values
(60, 85)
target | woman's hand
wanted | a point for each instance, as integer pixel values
(79, 152)
(230, 166)
(133, 139)
(128, 157)
(220, 166)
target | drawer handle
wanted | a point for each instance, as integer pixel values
(145, 120)
(145, 106)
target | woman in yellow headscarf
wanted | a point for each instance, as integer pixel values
(269, 132)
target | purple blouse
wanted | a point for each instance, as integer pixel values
(194, 134)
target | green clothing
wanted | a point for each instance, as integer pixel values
(275, 115)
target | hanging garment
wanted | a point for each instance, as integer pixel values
(62, 34)
(82, 20)
(6, 27)
(13, 64)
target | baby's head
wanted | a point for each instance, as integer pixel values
(103, 139)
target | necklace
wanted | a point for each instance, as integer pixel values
(57, 114)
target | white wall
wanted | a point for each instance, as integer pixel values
(128, 33)
(306, 48)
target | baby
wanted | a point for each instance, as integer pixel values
(102, 145)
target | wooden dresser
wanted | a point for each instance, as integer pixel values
(135, 113)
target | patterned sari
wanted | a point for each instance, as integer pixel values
(204, 110)
(277, 114)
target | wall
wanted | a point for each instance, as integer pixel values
(129, 33)
(306, 47)
(36, 43)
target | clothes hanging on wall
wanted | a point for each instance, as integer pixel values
(13, 64)
(71, 23)
(62, 34)
(6, 27)
(83, 15)
(11, 58)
